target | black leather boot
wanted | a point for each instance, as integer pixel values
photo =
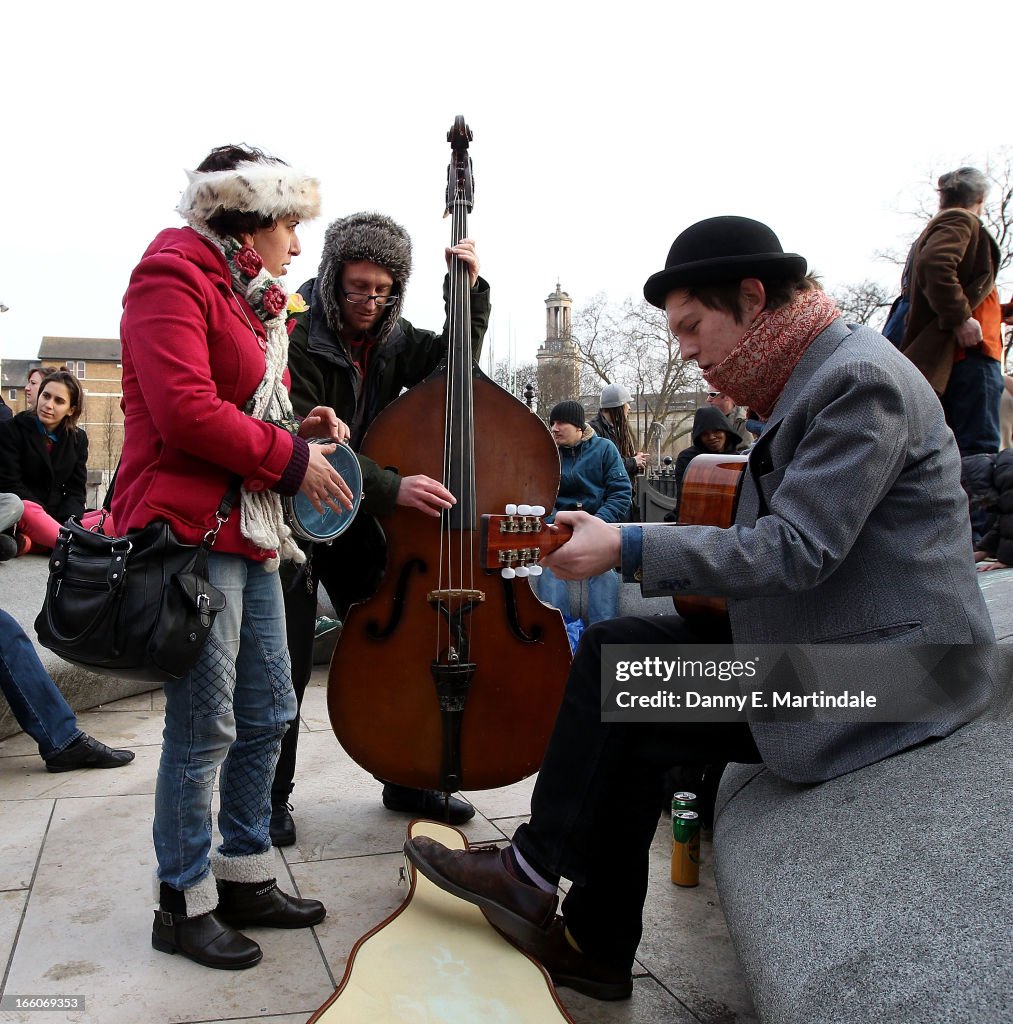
(243, 904)
(205, 939)
(282, 825)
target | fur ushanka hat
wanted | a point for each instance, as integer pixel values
(364, 236)
(271, 188)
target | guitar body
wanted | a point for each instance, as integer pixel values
(710, 493)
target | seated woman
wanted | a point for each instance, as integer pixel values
(44, 460)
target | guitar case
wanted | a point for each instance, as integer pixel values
(436, 958)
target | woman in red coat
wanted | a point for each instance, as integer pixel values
(205, 401)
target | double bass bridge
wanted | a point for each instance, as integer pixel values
(455, 600)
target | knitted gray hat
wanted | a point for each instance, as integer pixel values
(364, 236)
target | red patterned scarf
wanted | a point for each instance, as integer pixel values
(755, 372)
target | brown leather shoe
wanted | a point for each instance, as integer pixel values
(569, 968)
(477, 875)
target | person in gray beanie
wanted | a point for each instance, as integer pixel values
(352, 345)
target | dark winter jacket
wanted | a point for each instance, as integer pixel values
(603, 428)
(988, 480)
(708, 417)
(323, 373)
(55, 479)
(592, 479)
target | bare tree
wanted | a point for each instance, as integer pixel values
(515, 378)
(864, 303)
(632, 345)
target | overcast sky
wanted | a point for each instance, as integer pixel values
(601, 131)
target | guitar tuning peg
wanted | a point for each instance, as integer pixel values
(522, 570)
(534, 570)
(507, 572)
(524, 510)
(538, 510)
(511, 510)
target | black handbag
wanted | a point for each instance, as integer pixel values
(138, 606)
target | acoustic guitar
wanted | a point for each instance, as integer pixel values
(709, 495)
(514, 543)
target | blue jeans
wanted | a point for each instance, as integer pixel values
(230, 711)
(971, 404)
(37, 704)
(602, 598)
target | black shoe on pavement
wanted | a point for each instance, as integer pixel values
(426, 803)
(282, 825)
(88, 752)
(205, 939)
(8, 547)
(570, 968)
(246, 904)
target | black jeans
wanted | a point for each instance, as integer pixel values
(595, 806)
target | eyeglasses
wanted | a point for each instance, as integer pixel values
(362, 297)
(715, 394)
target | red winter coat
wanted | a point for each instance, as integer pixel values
(191, 362)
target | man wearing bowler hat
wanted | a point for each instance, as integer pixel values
(851, 527)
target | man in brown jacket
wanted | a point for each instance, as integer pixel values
(953, 332)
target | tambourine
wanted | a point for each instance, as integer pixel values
(322, 527)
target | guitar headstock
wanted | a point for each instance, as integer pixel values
(513, 543)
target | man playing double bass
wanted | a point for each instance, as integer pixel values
(851, 528)
(352, 345)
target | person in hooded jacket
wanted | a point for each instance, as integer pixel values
(593, 479)
(352, 350)
(712, 435)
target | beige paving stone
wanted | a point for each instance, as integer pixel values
(26, 778)
(21, 838)
(314, 703)
(686, 945)
(88, 931)
(359, 893)
(506, 802)
(337, 808)
(12, 906)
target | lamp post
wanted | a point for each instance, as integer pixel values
(529, 394)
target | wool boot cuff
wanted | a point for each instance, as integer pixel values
(255, 867)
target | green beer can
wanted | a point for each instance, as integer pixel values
(683, 801)
(685, 848)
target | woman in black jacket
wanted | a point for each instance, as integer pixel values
(44, 460)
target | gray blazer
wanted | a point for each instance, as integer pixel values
(851, 528)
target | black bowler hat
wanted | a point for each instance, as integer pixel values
(720, 250)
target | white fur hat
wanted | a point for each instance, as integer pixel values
(271, 189)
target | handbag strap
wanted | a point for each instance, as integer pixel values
(223, 512)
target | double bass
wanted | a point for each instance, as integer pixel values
(450, 675)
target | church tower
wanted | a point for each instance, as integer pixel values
(558, 368)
